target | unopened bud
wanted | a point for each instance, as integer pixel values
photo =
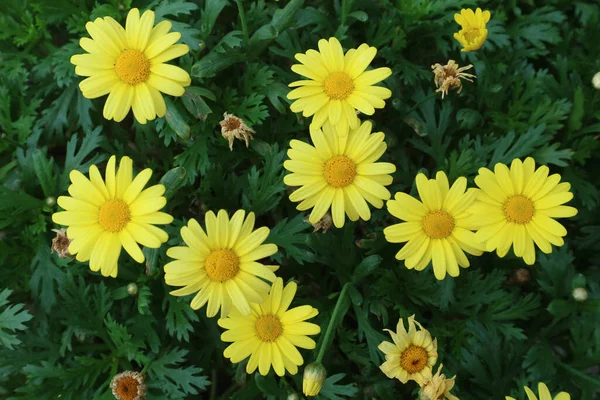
(132, 288)
(596, 81)
(293, 396)
(579, 294)
(51, 201)
(313, 378)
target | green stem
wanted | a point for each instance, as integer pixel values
(423, 100)
(243, 19)
(580, 374)
(213, 385)
(344, 11)
(334, 317)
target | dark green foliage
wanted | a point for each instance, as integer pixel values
(66, 331)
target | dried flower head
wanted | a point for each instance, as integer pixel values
(233, 127)
(437, 387)
(449, 76)
(323, 224)
(60, 244)
(128, 385)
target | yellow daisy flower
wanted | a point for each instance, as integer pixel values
(104, 216)
(338, 85)
(340, 172)
(473, 33)
(129, 65)
(517, 207)
(271, 333)
(222, 264)
(438, 229)
(437, 387)
(412, 355)
(544, 394)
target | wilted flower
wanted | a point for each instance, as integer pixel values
(323, 224)
(313, 378)
(437, 387)
(128, 385)
(60, 244)
(449, 76)
(233, 127)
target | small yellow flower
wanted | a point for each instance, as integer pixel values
(412, 355)
(338, 85)
(544, 394)
(128, 385)
(437, 387)
(129, 65)
(313, 378)
(271, 334)
(339, 172)
(105, 216)
(222, 264)
(449, 76)
(233, 127)
(473, 32)
(517, 207)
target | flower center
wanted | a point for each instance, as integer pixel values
(413, 359)
(127, 388)
(114, 215)
(232, 124)
(438, 224)
(338, 86)
(132, 67)
(268, 328)
(339, 171)
(519, 209)
(472, 34)
(222, 265)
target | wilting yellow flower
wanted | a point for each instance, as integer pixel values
(222, 264)
(544, 394)
(128, 385)
(338, 85)
(313, 378)
(438, 229)
(129, 65)
(340, 172)
(517, 207)
(473, 32)
(412, 355)
(449, 76)
(437, 387)
(104, 216)
(60, 244)
(271, 333)
(233, 127)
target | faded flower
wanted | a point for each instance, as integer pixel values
(323, 224)
(60, 244)
(128, 385)
(233, 127)
(449, 76)
(437, 387)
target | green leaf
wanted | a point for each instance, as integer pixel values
(195, 104)
(550, 155)
(210, 13)
(12, 318)
(332, 391)
(179, 317)
(173, 180)
(366, 267)
(168, 374)
(578, 111)
(43, 169)
(44, 278)
(74, 158)
(266, 186)
(144, 299)
(175, 120)
(288, 234)
(173, 8)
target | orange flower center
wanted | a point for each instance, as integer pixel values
(519, 209)
(414, 359)
(114, 215)
(132, 67)
(339, 171)
(268, 328)
(438, 224)
(338, 85)
(128, 388)
(232, 124)
(222, 265)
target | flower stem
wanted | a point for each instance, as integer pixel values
(243, 20)
(334, 317)
(423, 100)
(344, 11)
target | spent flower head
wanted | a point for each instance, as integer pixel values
(449, 76)
(233, 127)
(128, 385)
(437, 387)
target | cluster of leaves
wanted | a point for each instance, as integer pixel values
(65, 331)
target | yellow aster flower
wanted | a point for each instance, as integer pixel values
(271, 333)
(338, 85)
(437, 387)
(517, 207)
(129, 65)
(412, 355)
(222, 264)
(544, 394)
(339, 172)
(104, 216)
(473, 32)
(438, 229)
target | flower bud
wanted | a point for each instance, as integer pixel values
(132, 288)
(596, 80)
(51, 201)
(579, 294)
(314, 376)
(293, 396)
